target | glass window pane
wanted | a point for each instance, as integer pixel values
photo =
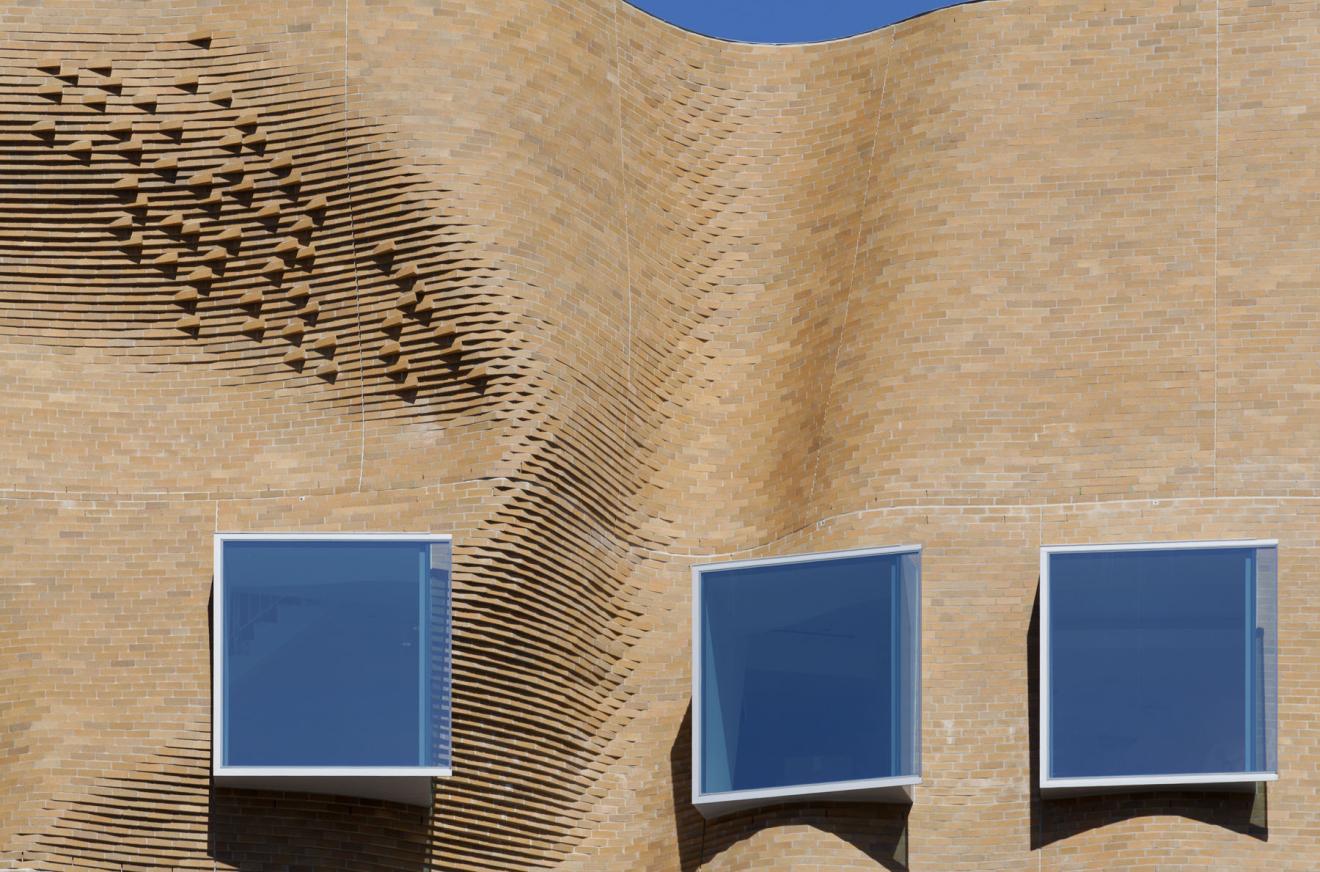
(440, 656)
(330, 654)
(1158, 663)
(808, 672)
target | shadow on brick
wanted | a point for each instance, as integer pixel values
(878, 830)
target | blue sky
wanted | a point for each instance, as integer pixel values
(786, 20)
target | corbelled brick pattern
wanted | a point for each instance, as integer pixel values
(602, 299)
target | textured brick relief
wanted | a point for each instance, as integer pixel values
(217, 210)
(161, 803)
(161, 814)
(193, 193)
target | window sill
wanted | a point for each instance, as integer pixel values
(1237, 782)
(410, 786)
(888, 790)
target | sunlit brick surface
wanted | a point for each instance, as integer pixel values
(603, 299)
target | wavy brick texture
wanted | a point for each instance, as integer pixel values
(603, 298)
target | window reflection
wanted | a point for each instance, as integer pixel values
(809, 672)
(1161, 662)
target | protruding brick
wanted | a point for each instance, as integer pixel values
(199, 275)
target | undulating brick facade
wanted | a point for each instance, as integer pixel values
(603, 299)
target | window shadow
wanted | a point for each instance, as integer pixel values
(879, 830)
(264, 831)
(1054, 820)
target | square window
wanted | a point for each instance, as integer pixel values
(806, 678)
(1158, 665)
(332, 663)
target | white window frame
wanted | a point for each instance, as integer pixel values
(1067, 786)
(370, 781)
(893, 789)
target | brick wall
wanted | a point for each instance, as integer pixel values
(602, 298)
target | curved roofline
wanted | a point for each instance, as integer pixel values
(729, 41)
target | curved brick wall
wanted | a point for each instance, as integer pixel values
(602, 298)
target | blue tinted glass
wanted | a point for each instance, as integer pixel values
(1158, 663)
(808, 672)
(335, 653)
(440, 654)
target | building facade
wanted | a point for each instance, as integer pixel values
(604, 300)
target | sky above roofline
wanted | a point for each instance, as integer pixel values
(786, 21)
